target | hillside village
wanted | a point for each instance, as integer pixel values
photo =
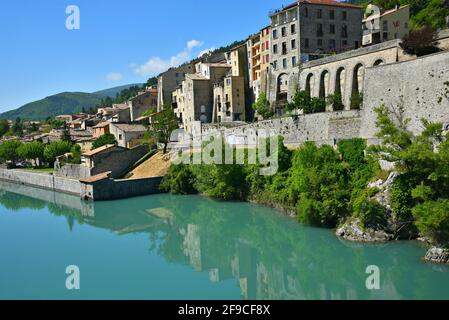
(325, 78)
(311, 62)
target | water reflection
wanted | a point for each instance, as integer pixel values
(269, 256)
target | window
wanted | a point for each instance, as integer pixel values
(344, 31)
(406, 25)
(284, 63)
(275, 34)
(356, 44)
(294, 44)
(344, 43)
(331, 43)
(306, 12)
(267, 58)
(319, 30)
(275, 48)
(275, 65)
(120, 137)
(293, 28)
(344, 15)
(319, 13)
(319, 42)
(294, 61)
(306, 42)
(284, 31)
(332, 29)
(284, 47)
(332, 14)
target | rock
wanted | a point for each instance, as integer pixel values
(352, 231)
(437, 255)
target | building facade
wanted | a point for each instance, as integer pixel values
(169, 81)
(383, 26)
(307, 30)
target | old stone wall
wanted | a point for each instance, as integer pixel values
(74, 171)
(110, 189)
(41, 180)
(420, 87)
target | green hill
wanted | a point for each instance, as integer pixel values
(62, 103)
(112, 92)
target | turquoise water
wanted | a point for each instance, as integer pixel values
(186, 247)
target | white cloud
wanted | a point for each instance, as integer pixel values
(156, 65)
(194, 44)
(206, 51)
(114, 76)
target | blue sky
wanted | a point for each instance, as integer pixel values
(119, 42)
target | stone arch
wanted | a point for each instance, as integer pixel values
(309, 83)
(282, 92)
(357, 85)
(340, 85)
(378, 62)
(324, 84)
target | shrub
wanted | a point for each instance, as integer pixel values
(432, 220)
(56, 149)
(8, 150)
(179, 180)
(370, 212)
(104, 140)
(420, 42)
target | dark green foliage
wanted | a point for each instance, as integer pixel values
(56, 149)
(432, 219)
(76, 154)
(420, 42)
(164, 123)
(4, 127)
(356, 100)
(336, 101)
(370, 212)
(105, 139)
(8, 150)
(179, 180)
(302, 101)
(31, 151)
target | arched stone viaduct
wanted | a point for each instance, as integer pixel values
(344, 74)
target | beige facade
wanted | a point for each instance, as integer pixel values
(229, 100)
(142, 102)
(127, 135)
(265, 58)
(387, 25)
(169, 81)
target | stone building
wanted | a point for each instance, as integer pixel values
(306, 30)
(143, 101)
(387, 25)
(101, 129)
(128, 135)
(169, 81)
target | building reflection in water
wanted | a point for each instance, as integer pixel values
(267, 255)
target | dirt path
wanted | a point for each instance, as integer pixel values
(156, 166)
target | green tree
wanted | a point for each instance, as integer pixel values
(8, 150)
(164, 123)
(17, 127)
(32, 151)
(262, 106)
(103, 140)
(4, 126)
(300, 101)
(56, 149)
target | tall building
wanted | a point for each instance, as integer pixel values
(387, 25)
(169, 81)
(307, 30)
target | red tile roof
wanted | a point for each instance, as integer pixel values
(98, 150)
(98, 177)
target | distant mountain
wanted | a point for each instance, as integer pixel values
(112, 92)
(62, 103)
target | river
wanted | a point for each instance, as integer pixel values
(189, 247)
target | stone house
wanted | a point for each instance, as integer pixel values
(139, 104)
(386, 25)
(128, 135)
(101, 129)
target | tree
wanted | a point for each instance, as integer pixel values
(8, 150)
(165, 122)
(262, 106)
(32, 151)
(56, 149)
(4, 126)
(17, 127)
(301, 100)
(434, 15)
(105, 139)
(420, 42)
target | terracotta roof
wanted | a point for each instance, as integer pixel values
(322, 3)
(98, 150)
(101, 125)
(98, 177)
(130, 127)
